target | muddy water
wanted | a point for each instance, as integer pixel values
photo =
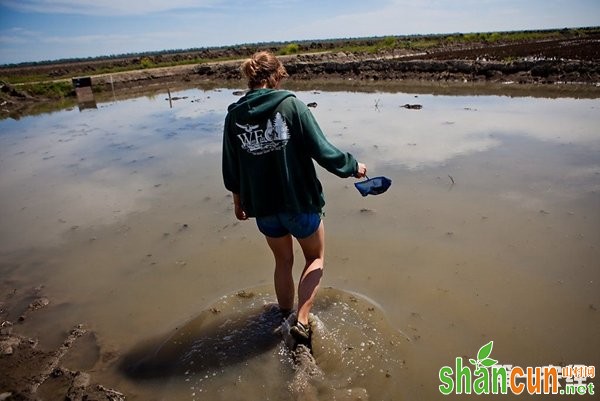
(490, 231)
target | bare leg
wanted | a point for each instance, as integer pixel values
(283, 251)
(313, 248)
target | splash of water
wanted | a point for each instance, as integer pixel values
(241, 345)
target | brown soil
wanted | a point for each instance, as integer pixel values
(32, 373)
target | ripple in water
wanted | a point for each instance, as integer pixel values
(231, 351)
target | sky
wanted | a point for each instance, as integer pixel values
(36, 30)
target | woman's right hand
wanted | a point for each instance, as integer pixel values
(240, 213)
(361, 171)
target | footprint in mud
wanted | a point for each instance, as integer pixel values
(232, 351)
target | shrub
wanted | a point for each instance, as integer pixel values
(146, 62)
(292, 48)
(389, 42)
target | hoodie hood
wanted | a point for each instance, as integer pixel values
(258, 103)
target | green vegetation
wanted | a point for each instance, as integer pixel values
(292, 48)
(421, 44)
(52, 90)
(24, 79)
(507, 37)
(389, 42)
(146, 62)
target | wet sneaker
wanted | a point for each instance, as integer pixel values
(301, 334)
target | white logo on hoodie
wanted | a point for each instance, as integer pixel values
(257, 141)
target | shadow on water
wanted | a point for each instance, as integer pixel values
(214, 339)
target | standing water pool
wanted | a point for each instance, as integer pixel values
(490, 232)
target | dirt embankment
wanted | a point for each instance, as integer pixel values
(574, 60)
(387, 68)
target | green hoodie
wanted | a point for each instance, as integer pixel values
(269, 141)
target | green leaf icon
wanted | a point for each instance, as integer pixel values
(485, 351)
(473, 361)
(487, 362)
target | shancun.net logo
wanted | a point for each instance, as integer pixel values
(488, 377)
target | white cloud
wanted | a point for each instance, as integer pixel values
(398, 17)
(105, 7)
(441, 16)
(90, 45)
(17, 36)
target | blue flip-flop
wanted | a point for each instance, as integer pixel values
(373, 186)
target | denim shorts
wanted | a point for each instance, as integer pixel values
(300, 225)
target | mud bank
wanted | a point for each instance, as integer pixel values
(347, 66)
(31, 372)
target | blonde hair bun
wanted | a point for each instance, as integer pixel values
(263, 68)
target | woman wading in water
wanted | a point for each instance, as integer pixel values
(270, 140)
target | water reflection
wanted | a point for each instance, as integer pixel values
(86, 168)
(121, 214)
(447, 127)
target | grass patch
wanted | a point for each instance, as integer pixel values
(505, 37)
(52, 90)
(292, 48)
(421, 44)
(25, 79)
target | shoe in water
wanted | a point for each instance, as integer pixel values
(301, 333)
